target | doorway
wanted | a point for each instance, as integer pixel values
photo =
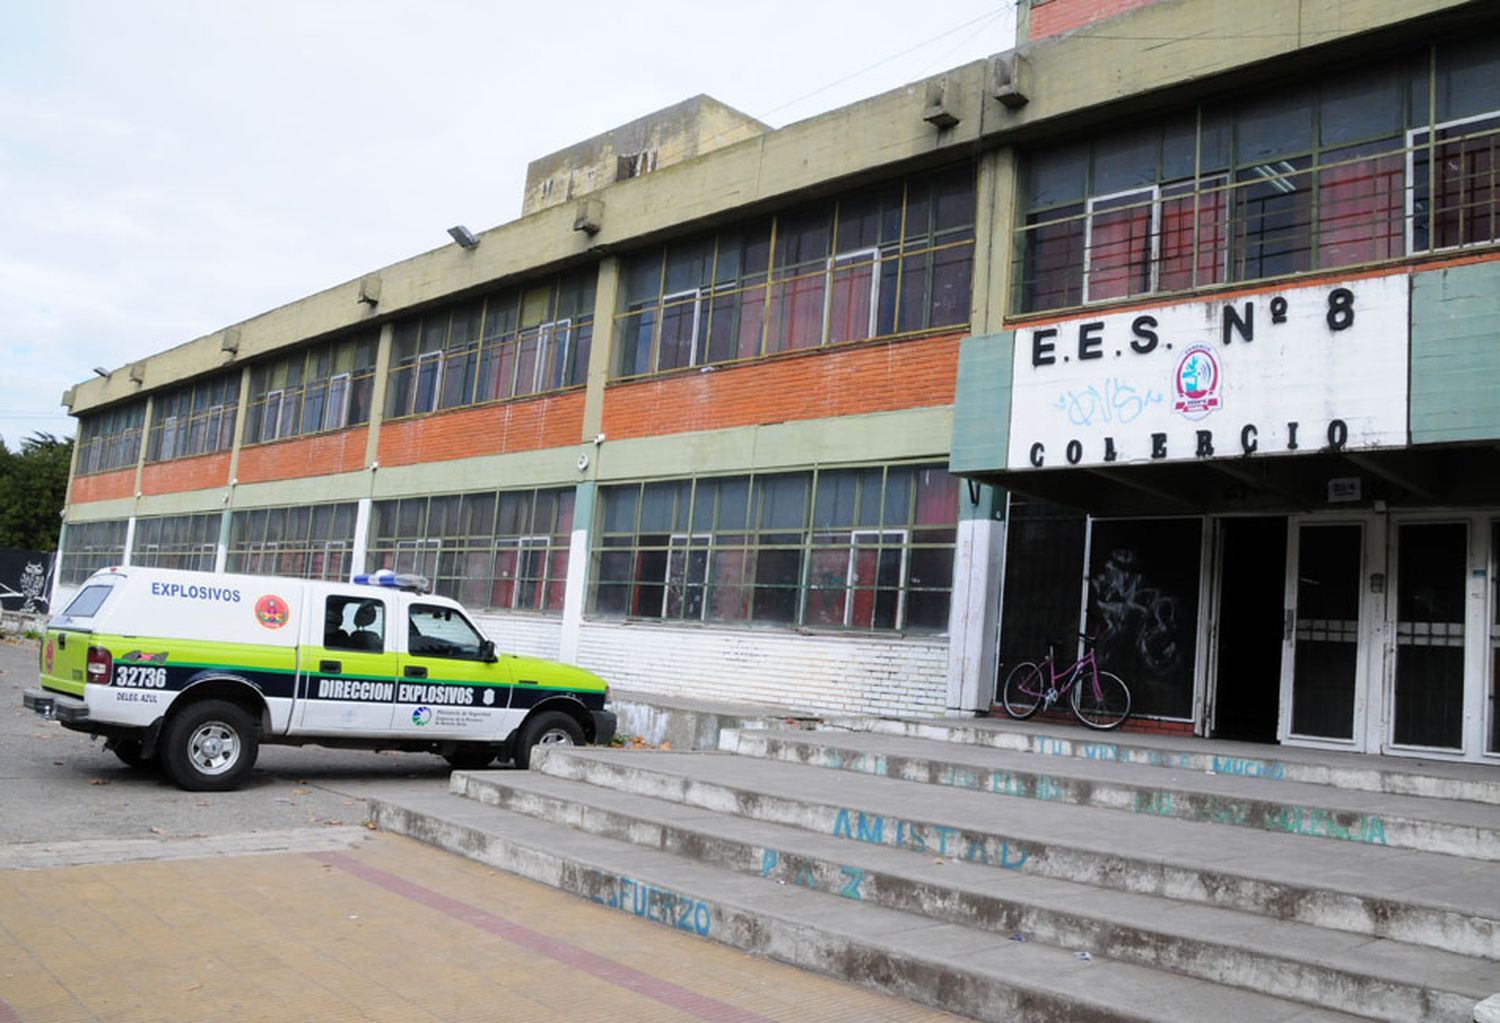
(1249, 627)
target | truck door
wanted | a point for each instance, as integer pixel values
(451, 686)
(349, 679)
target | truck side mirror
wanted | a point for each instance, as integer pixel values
(487, 651)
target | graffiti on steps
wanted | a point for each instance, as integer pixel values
(1292, 820)
(650, 902)
(848, 883)
(934, 839)
(1242, 767)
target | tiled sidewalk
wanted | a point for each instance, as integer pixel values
(391, 931)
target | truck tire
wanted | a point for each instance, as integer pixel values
(475, 758)
(210, 746)
(129, 751)
(549, 728)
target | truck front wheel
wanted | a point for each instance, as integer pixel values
(549, 728)
(209, 746)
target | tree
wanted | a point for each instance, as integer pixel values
(33, 487)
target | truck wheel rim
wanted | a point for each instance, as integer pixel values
(214, 747)
(555, 737)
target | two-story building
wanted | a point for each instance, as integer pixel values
(1176, 325)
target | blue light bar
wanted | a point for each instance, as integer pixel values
(396, 581)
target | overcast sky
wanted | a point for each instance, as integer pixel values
(169, 167)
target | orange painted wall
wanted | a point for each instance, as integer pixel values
(529, 424)
(197, 473)
(1058, 16)
(102, 486)
(815, 385)
(321, 455)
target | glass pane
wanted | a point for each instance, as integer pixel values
(1494, 701)
(1143, 608)
(1273, 214)
(1329, 560)
(1120, 243)
(1432, 562)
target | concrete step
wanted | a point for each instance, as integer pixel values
(1408, 776)
(1335, 970)
(978, 973)
(1405, 822)
(1438, 901)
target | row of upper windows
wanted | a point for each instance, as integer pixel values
(1357, 169)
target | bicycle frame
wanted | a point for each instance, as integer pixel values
(1072, 674)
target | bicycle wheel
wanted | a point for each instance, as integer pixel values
(1023, 690)
(1103, 706)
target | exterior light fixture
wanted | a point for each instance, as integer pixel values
(464, 237)
(101, 371)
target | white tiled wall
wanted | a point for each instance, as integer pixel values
(820, 672)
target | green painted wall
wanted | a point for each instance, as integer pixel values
(981, 411)
(1455, 354)
(800, 444)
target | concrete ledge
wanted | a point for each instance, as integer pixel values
(687, 724)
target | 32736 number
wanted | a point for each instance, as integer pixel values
(137, 677)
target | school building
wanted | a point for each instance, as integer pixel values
(1178, 324)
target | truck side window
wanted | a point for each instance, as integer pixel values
(434, 631)
(354, 623)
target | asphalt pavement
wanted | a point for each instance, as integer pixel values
(57, 785)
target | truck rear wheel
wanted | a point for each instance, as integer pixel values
(549, 728)
(130, 753)
(210, 746)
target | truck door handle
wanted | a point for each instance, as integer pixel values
(415, 671)
(330, 666)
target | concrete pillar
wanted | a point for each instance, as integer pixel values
(575, 594)
(361, 550)
(978, 570)
(221, 554)
(377, 404)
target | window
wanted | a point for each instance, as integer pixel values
(189, 542)
(307, 541)
(88, 602)
(896, 259)
(1358, 169)
(194, 420)
(505, 550)
(325, 386)
(866, 549)
(90, 546)
(435, 631)
(1453, 169)
(110, 439)
(354, 623)
(513, 343)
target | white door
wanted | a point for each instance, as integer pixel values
(1333, 631)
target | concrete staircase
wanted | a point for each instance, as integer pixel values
(1027, 872)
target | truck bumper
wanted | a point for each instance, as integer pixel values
(604, 726)
(55, 706)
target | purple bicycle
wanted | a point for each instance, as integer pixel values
(1100, 699)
